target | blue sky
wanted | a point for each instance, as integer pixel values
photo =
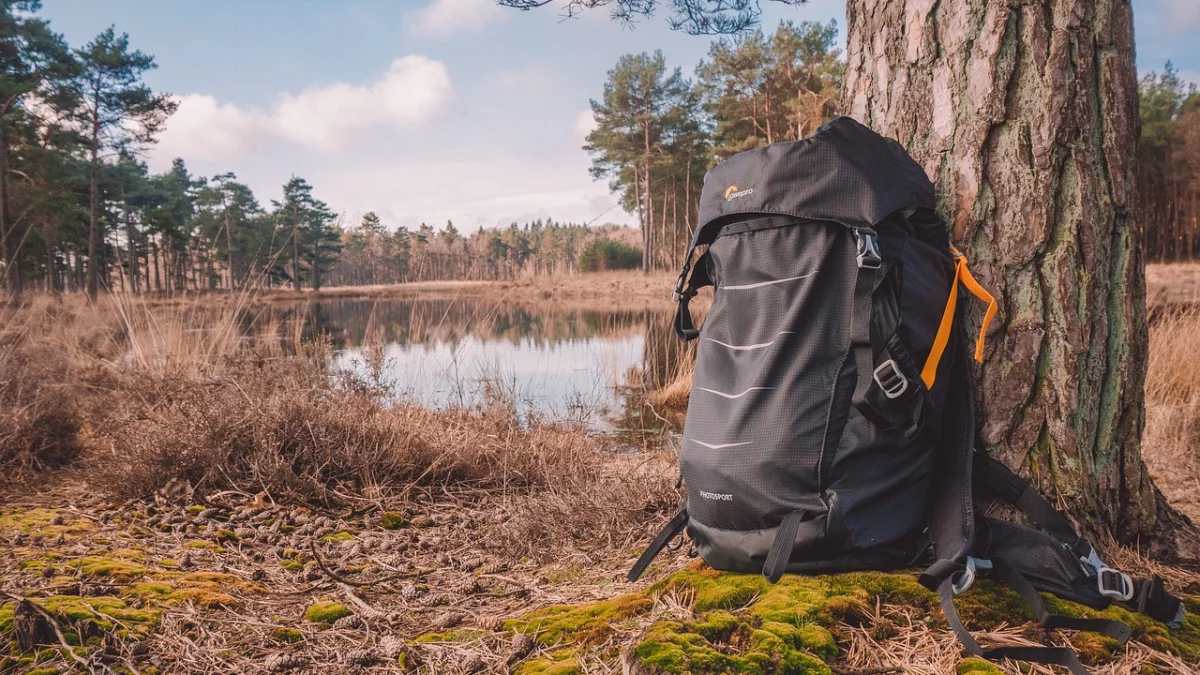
(426, 110)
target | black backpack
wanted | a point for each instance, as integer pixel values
(831, 422)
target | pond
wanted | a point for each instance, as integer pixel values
(588, 366)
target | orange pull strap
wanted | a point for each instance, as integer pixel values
(979, 292)
(961, 274)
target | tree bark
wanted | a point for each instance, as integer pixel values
(1025, 115)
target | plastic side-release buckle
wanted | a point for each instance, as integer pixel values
(891, 381)
(867, 249)
(1111, 583)
(1114, 584)
(964, 579)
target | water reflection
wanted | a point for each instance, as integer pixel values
(593, 367)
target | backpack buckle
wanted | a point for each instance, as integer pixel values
(1114, 584)
(891, 381)
(1111, 583)
(867, 250)
(965, 578)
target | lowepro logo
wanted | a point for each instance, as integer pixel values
(732, 193)
(716, 496)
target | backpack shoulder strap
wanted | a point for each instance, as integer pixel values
(1143, 595)
(952, 511)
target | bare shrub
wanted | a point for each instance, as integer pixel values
(39, 401)
(288, 427)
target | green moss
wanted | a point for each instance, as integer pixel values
(43, 671)
(326, 612)
(337, 536)
(291, 564)
(150, 590)
(195, 508)
(225, 534)
(6, 617)
(107, 567)
(288, 635)
(559, 663)
(38, 522)
(674, 647)
(744, 624)
(213, 589)
(976, 666)
(105, 612)
(199, 543)
(586, 624)
(392, 520)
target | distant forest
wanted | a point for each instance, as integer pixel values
(80, 211)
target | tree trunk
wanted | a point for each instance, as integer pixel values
(295, 260)
(93, 268)
(8, 261)
(133, 254)
(1025, 115)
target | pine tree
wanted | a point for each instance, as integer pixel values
(118, 110)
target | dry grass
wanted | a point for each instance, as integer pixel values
(174, 397)
(1173, 284)
(1172, 439)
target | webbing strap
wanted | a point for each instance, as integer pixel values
(865, 282)
(672, 528)
(781, 549)
(685, 289)
(1056, 656)
(992, 476)
(962, 274)
(1017, 581)
(1151, 598)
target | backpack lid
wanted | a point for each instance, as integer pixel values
(845, 173)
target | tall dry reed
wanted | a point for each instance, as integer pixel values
(1171, 443)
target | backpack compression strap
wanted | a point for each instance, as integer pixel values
(685, 290)
(665, 535)
(1143, 595)
(1057, 656)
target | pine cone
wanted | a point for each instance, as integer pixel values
(448, 620)
(410, 592)
(391, 646)
(466, 586)
(351, 622)
(521, 645)
(361, 657)
(277, 663)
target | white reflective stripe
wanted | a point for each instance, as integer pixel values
(744, 348)
(722, 445)
(721, 393)
(766, 283)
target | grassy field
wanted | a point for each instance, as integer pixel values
(177, 498)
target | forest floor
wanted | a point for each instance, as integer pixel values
(199, 503)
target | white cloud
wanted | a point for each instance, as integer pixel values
(206, 129)
(414, 90)
(444, 17)
(585, 123)
(1182, 15)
